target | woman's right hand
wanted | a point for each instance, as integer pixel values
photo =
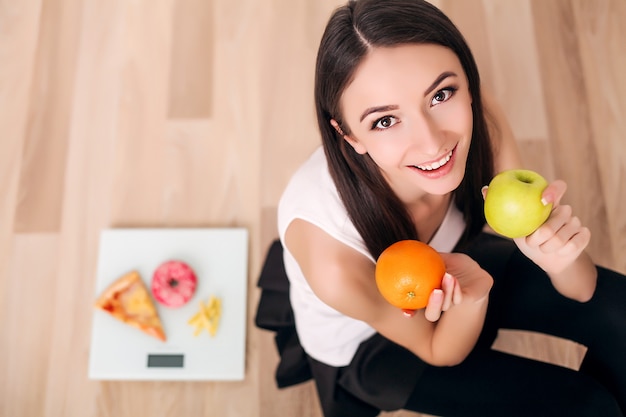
(464, 282)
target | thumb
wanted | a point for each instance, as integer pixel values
(554, 192)
(483, 191)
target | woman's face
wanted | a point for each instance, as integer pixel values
(409, 108)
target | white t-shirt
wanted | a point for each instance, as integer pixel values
(326, 334)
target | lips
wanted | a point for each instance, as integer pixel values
(437, 168)
(436, 164)
(440, 165)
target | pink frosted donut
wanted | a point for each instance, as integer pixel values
(173, 283)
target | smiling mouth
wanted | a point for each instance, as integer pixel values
(437, 164)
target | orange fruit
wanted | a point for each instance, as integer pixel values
(407, 272)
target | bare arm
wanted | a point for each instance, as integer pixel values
(558, 247)
(344, 279)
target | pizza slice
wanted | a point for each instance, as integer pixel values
(128, 300)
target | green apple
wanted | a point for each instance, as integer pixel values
(513, 206)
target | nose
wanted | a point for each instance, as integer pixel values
(426, 135)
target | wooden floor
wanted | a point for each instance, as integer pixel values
(194, 113)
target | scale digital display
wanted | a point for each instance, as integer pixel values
(166, 361)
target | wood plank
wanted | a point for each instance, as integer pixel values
(289, 133)
(469, 17)
(20, 25)
(540, 347)
(289, 126)
(25, 331)
(568, 108)
(86, 207)
(514, 57)
(140, 128)
(601, 34)
(44, 154)
(158, 399)
(537, 155)
(24, 285)
(191, 71)
(503, 55)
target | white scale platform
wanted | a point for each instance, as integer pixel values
(219, 256)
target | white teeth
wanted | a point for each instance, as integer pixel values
(437, 164)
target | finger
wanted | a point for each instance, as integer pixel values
(577, 243)
(562, 236)
(554, 192)
(447, 285)
(433, 309)
(558, 218)
(457, 297)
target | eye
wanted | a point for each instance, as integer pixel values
(442, 95)
(384, 122)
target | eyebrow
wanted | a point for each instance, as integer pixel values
(377, 109)
(434, 85)
(438, 81)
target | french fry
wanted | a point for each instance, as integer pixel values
(208, 317)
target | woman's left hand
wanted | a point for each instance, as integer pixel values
(557, 243)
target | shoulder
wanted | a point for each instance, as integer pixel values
(311, 195)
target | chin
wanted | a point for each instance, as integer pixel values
(447, 186)
(449, 182)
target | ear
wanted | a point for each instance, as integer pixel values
(356, 145)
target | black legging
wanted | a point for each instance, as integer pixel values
(491, 384)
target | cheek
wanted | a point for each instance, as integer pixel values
(467, 128)
(386, 155)
(457, 118)
(467, 116)
(381, 155)
(469, 120)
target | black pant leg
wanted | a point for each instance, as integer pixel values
(334, 400)
(495, 384)
(527, 300)
(523, 298)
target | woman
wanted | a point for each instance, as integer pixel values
(406, 151)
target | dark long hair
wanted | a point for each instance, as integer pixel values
(377, 213)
